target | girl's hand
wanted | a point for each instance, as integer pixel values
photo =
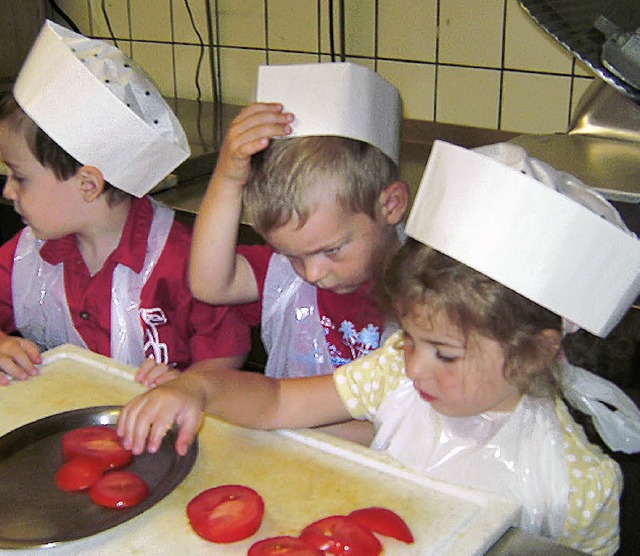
(151, 374)
(18, 358)
(145, 420)
(249, 133)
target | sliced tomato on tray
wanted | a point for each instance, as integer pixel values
(79, 473)
(340, 535)
(383, 521)
(227, 513)
(283, 546)
(119, 489)
(100, 442)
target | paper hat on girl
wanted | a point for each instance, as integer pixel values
(338, 98)
(101, 108)
(507, 219)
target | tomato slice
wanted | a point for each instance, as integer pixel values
(100, 442)
(79, 473)
(383, 521)
(341, 535)
(226, 513)
(119, 489)
(285, 545)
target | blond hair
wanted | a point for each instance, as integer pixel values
(286, 175)
(419, 277)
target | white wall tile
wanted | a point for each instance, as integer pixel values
(293, 25)
(398, 38)
(183, 28)
(188, 78)
(407, 30)
(157, 60)
(471, 36)
(527, 47)
(117, 16)
(533, 103)
(416, 83)
(239, 70)
(468, 96)
(242, 23)
(151, 21)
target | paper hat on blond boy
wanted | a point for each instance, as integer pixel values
(101, 108)
(540, 232)
(336, 98)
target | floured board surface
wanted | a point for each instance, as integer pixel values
(302, 476)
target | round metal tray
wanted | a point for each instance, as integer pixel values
(35, 513)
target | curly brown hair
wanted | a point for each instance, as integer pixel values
(419, 277)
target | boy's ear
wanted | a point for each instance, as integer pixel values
(91, 182)
(394, 201)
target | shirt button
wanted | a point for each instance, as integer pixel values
(84, 315)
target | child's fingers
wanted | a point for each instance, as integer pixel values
(18, 360)
(166, 376)
(151, 373)
(145, 369)
(187, 433)
(251, 131)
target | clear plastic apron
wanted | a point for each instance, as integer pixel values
(292, 334)
(40, 305)
(516, 455)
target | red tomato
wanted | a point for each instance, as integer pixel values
(226, 513)
(119, 489)
(341, 535)
(383, 521)
(287, 546)
(100, 442)
(79, 473)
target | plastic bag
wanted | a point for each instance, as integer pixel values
(615, 416)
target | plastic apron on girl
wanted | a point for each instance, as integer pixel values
(495, 451)
(40, 305)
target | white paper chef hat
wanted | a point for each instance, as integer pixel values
(338, 98)
(101, 108)
(547, 245)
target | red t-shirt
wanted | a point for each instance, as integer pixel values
(353, 323)
(194, 331)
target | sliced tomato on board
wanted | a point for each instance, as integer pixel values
(119, 489)
(227, 513)
(283, 546)
(100, 442)
(383, 521)
(79, 473)
(340, 535)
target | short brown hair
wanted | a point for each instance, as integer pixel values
(419, 276)
(288, 169)
(45, 150)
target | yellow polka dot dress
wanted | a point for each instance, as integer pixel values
(595, 480)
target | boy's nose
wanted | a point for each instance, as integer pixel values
(8, 192)
(314, 271)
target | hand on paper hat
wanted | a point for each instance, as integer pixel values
(249, 133)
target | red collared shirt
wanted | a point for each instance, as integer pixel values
(353, 323)
(194, 331)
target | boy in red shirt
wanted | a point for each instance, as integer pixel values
(99, 264)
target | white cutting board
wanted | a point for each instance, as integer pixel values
(302, 476)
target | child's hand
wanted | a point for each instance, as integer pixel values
(145, 420)
(18, 358)
(249, 133)
(152, 374)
